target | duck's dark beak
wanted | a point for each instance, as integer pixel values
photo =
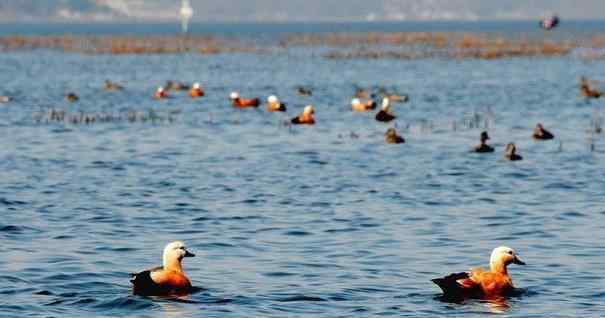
(518, 261)
(189, 254)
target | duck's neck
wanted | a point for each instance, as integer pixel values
(173, 265)
(499, 267)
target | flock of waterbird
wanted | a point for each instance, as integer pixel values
(170, 278)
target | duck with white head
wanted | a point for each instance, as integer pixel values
(275, 105)
(238, 102)
(169, 279)
(196, 91)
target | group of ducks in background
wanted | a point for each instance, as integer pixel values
(170, 278)
(362, 102)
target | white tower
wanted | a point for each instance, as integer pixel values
(186, 14)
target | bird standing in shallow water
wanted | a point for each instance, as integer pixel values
(169, 279)
(479, 283)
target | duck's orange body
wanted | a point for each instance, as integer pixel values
(160, 95)
(196, 92)
(245, 103)
(306, 118)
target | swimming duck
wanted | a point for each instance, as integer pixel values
(175, 86)
(306, 118)
(384, 115)
(274, 105)
(196, 90)
(587, 90)
(239, 102)
(482, 283)
(511, 153)
(393, 97)
(358, 106)
(391, 137)
(111, 86)
(169, 279)
(5, 99)
(160, 93)
(304, 91)
(541, 133)
(483, 146)
(72, 97)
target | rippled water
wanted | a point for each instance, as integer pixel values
(323, 221)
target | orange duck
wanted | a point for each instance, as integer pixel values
(169, 279)
(481, 283)
(384, 115)
(239, 102)
(542, 134)
(196, 91)
(306, 118)
(274, 105)
(359, 106)
(160, 93)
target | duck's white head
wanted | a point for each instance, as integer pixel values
(174, 253)
(355, 101)
(503, 256)
(273, 99)
(234, 95)
(386, 103)
(196, 85)
(160, 89)
(309, 110)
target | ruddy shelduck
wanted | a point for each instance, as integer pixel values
(481, 283)
(359, 106)
(306, 118)
(169, 279)
(239, 102)
(587, 90)
(196, 91)
(160, 93)
(112, 87)
(275, 105)
(391, 137)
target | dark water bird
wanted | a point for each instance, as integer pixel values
(169, 279)
(72, 97)
(5, 99)
(483, 147)
(239, 102)
(510, 153)
(359, 106)
(550, 22)
(175, 86)
(160, 93)
(112, 87)
(587, 90)
(196, 91)
(391, 137)
(304, 91)
(384, 115)
(542, 134)
(481, 283)
(306, 118)
(275, 105)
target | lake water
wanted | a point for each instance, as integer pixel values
(322, 221)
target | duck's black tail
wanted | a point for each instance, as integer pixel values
(449, 284)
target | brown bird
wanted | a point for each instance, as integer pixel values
(587, 90)
(196, 91)
(306, 118)
(391, 137)
(510, 153)
(239, 102)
